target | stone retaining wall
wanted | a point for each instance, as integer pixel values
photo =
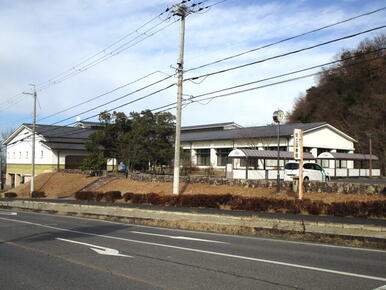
(327, 187)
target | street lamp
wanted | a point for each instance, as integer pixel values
(278, 117)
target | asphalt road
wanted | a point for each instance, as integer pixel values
(41, 251)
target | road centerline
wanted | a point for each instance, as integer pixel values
(211, 252)
(178, 237)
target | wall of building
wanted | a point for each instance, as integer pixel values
(213, 145)
(323, 138)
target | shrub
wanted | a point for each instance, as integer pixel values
(10, 195)
(111, 196)
(86, 195)
(128, 196)
(38, 194)
(262, 204)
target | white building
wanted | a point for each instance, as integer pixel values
(210, 145)
(56, 147)
(59, 147)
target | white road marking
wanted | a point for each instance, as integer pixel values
(8, 213)
(217, 234)
(98, 249)
(381, 288)
(178, 237)
(211, 252)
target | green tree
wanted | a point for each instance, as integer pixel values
(141, 140)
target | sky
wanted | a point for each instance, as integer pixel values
(75, 50)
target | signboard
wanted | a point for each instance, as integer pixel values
(298, 144)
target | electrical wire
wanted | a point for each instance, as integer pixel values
(105, 57)
(287, 39)
(286, 54)
(192, 98)
(107, 47)
(101, 95)
(96, 115)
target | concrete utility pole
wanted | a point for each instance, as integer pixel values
(34, 94)
(278, 117)
(371, 161)
(182, 11)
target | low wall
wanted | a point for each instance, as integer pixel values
(86, 172)
(327, 187)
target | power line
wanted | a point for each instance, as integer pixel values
(11, 102)
(102, 51)
(99, 96)
(93, 116)
(116, 99)
(286, 54)
(287, 39)
(192, 98)
(106, 56)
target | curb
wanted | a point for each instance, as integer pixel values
(365, 235)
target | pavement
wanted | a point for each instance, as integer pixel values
(44, 251)
(226, 221)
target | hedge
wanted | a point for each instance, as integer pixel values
(238, 202)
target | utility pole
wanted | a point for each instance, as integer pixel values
(278, 117)
(34, 94)
(371, 152)
(182, 11)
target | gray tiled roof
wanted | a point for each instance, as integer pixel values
(250, 132)
(347, 156)
(65, 146)
(208, 126)
(270, 154)
(49, 131)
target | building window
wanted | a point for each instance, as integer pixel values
(203, 157)
(14, 155)
(41, 154)
(341, 164)
(222, 156)
(26, 154)
(186, 157)
(19, 155)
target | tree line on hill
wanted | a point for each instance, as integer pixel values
(352, 97)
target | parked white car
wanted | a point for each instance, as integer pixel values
(312, 171)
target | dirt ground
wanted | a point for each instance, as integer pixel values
(64, 185)
(126, 185)
(55, 185)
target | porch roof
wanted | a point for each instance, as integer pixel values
(265, 154)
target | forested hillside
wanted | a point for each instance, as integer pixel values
(352, 97)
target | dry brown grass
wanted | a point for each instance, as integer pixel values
(55, 184)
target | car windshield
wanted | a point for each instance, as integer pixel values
(291, 166)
